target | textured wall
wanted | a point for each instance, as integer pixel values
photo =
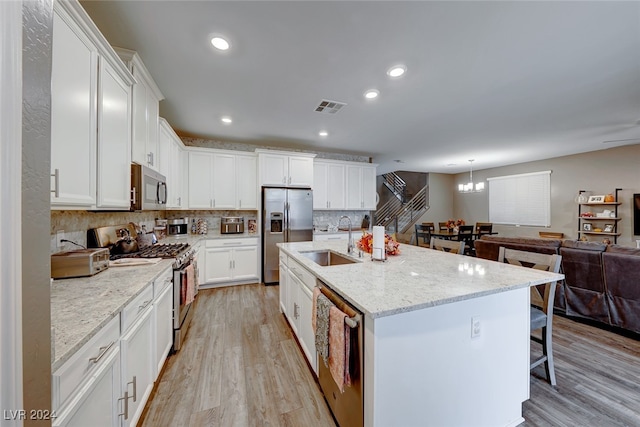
(36, 163)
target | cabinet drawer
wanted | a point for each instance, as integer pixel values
(162, 282)
(222, 243)
(136, 307)
(302, 273)
(77, 369)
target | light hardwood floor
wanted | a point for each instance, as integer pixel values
(241, 366)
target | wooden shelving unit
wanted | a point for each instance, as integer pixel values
(599, 222)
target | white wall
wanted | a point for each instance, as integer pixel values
(440, 198)
(599, 172)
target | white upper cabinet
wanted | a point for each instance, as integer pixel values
(172, 165)
(246, 181)
(361, 187)
(90, 116)
(283, 169)
(114, 139)
(329, 185)
(222, 180)
(146, 109)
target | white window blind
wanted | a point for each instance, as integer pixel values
(521, 199)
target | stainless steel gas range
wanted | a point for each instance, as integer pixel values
(185, 272)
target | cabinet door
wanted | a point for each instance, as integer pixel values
(354, 187)
(335, 186)
(320, 186)
(293, 284)
(245, 263)
(165, 140)
(139, 122)
(174, 176)
(246, 182)
(97, 403)
(153, 116)
(305, 330)
(274, 169)
(74, 83)
(284, 288)
(219, 265)
(300, 171)
(163, 323)
(137, 365)
(369, 188)
(224, 181)
(200, 191)
(114, 140)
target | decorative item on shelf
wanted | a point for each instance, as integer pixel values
(608, 228)
(253, 227)
(470, 187)
(606, 241)
(596, 199)
(581, 197)
(365, 244)
(598, 230)
(453, 224)
(609, 198)
(586, 226)
(587, 215)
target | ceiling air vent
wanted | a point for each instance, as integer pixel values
(329, 107)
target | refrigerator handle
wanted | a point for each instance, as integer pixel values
(285, 227)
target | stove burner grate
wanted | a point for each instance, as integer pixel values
(161, 250)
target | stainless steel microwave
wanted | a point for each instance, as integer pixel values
(148, 189)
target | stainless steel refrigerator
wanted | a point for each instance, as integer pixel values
(287, 216)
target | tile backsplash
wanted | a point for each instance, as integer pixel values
(323, 219)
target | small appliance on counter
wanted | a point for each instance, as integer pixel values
(232, 225)
(177, 226)
(79, 263)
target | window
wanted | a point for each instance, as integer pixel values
(521, 199)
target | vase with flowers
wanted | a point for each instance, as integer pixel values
(453, 224)
(365, 244)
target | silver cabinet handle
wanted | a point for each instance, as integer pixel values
(240, 206)
(289, 180)
(56, 182)
(144, 305)
(134, 382)
(103, 351)
(179, 201)
(126, 405)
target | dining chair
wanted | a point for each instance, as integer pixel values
(451, 246)
(423, 231)
(465, 234)
(442, 226)
(481, 224)
(541, 302)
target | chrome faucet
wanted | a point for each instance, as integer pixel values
(350, 244)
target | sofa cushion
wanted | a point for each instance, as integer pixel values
(488, 246)
(622, 279)
(622, 250)
(584, 280)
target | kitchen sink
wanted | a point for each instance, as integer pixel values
(327, 258)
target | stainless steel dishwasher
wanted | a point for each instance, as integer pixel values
(347, 407)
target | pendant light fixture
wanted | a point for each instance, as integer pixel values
(470, 187)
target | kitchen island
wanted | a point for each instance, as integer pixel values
(446, 337)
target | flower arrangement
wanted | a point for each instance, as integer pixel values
(453, 223)
(366, 244)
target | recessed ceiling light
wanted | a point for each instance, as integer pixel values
(323, 133)
(396, 71)
(220, 43)
(399, 161)
(226, 120)
(371, 94)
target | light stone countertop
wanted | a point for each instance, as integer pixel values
(80, 307)
(415, 279)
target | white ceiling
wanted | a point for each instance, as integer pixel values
(498, 82)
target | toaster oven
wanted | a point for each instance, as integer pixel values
(232, 225)
(79, 263)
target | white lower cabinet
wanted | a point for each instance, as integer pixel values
(96, 404)
(298, 302)
(137, 367)
(109, 380)
(162, 319)
(231, 260)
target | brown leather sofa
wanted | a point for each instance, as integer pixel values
(602, 282)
